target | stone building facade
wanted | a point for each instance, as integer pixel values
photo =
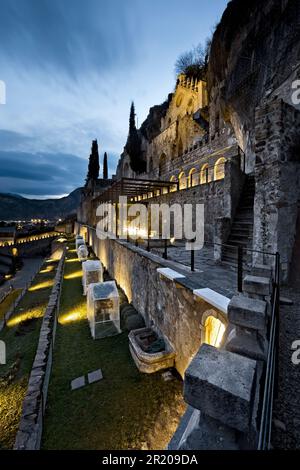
(244, 112)
(233, 144)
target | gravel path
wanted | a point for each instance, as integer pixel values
(286, 422)
(22, 277)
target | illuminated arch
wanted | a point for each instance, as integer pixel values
(174, 187)
(204, 174)
(193, 178)
(219, 169)
(213, 326)
(182, 180)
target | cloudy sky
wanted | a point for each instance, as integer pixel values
(71, 69)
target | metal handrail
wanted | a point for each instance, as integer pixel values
(270, 384)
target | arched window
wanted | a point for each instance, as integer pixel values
(219, 169)
(204, 174)
(180, 148)
(182, 180)
(174, 187)
(162, 164)
(193, 178)
(150, 164)
(214, 330)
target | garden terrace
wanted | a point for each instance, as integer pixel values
(113, 412)
(21, 335)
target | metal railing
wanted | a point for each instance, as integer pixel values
(271, 371)
(164, 246)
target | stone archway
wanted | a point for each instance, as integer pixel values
(219, 169)
(213, 326)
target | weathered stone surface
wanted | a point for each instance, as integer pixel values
(210, 434)
(249, 345)
(220, 384)
(247, 312)
(78, 383)
(262, 270)
(257, 285)
(95, 376)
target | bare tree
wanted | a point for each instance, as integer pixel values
(192, 63)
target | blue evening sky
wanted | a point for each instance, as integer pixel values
(71, 69)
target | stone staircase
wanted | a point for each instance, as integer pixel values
(242, 227)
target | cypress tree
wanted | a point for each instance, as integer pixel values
(133, 145)
(94, 167)
(105, 169)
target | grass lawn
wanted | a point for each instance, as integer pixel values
(8, 301)
(125, 410)
(21, 336)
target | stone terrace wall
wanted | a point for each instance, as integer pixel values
(220, 198)
(31, 423)
(277, 175)
(172, 311)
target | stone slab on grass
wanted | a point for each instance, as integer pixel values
(95, 376)
(79, 382)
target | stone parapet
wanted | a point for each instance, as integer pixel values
(31, 422)
(221, 384)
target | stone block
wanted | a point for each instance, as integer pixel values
(249, 345)
(247, 312)
(262, 270)
(210, 434)
(220, 384)
(78, 383)
(95, 376)
(257, 285)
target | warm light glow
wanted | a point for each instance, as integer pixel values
(41, 285)
(28, 315)
(48, 269)
(172, 240)
(136, 232)
(71, 317)
(71, 260)
(73, 275)
(219, 169)
(14, 252)
(214, 330)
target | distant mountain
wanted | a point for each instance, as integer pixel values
(15, 207)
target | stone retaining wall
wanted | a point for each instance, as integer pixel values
(31, 422)
(170, 307)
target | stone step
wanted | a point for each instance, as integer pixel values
(244, 242)
(240, 234)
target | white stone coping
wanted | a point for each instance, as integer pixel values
(170, 273)
(212, 297)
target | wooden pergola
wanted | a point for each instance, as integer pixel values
(134, 189)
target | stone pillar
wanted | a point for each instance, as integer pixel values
(222, 385)
(249, 317)
(221, 233)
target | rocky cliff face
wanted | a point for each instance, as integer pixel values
(255, 53)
